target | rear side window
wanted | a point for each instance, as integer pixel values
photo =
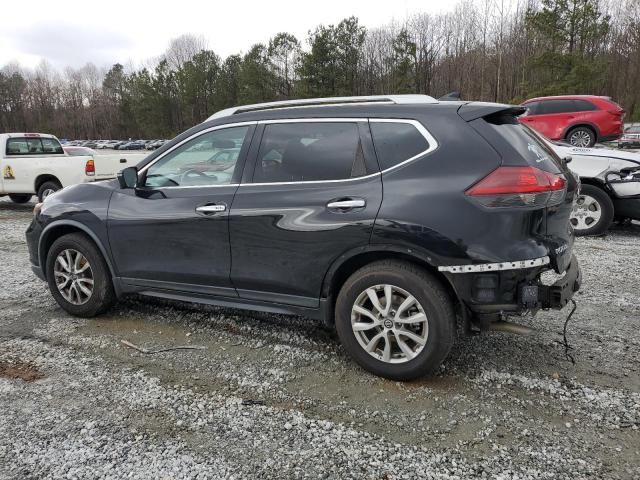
(309, 151)
(33, 146)
(525, 141)
(556, 106)
(396, 142)
(583, 106)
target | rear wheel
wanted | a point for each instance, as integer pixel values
(78, 276)
(583, 137)
(47, 188)
(593, 211)
(395, 320)
(20, 197)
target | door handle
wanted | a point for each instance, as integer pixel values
(347, 203)
(208, 209)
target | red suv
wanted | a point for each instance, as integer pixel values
(581, 120)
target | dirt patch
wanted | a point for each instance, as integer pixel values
(23, 371)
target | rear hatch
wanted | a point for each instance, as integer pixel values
(526, 156)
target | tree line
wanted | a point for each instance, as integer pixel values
(490, 50)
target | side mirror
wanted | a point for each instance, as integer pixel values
(567, 159)
(128, 177)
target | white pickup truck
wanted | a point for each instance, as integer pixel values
(36, 164)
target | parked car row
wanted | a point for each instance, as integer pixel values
(116, 144)
(37, 164)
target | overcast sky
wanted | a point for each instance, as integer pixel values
(74, 32)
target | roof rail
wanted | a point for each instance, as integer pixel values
(324, 102)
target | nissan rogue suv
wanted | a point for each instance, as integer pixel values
(390, 218)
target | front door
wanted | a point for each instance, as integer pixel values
(172, 231)
(313, 195)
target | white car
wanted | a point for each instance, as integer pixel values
(610, 186)
(36, 163)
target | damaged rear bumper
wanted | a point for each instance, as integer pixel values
(554, 296)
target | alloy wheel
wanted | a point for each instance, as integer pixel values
(389, 323)
(580, 138)
(47, 192)
(73, 276)
(586, 213)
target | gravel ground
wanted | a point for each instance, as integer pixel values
(276, 397)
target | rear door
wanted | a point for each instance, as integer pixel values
(552, 117)
(312, 194)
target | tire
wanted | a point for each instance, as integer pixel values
(593, 212)
(102, 295)
(583, 137)
(47, 188)
(20, 197)
(432, 301)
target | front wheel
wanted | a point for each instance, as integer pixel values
(395, 320)
(20, 197)
(78, 276)
(593, 211)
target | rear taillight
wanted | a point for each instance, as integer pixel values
(519, 187)
(90, 167)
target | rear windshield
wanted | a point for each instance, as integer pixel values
(526, 142)
(33, 146)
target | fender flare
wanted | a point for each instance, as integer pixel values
(79, 226)
(592, 126)
(421, 256)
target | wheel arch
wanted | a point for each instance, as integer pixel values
(348, 263)
(45, 177)
(57, 229)
(589, 125)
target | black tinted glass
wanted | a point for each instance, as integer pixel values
(532, 108)
(556, 106)
(526, 142)
(396, 142)
(583, 106)
(298, 152)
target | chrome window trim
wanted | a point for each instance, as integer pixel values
(432, 145)
(188, 139)
(314, 120)
(431, 141)
(494, 267)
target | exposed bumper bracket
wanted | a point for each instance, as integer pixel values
(556, 296)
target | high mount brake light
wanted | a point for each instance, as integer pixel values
(519, 187)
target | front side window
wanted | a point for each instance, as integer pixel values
(396, 142)
(532, 108)
(209, 159)
(33, 146)
(309, 151)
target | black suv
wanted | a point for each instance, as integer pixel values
(390, 218)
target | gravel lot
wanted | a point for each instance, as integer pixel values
(276, 397)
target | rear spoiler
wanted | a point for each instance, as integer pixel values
(474, 110)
